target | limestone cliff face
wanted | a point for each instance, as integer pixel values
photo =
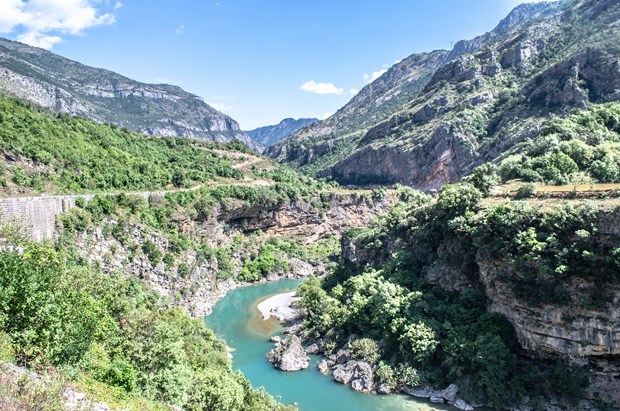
(66, 86)
(584, 337)
(197, 287)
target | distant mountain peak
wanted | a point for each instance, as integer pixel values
(269, 135)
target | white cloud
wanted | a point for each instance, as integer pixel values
(37, 39)
(353, 91)
(11, 15)
(375, 75)
(326, 115)
(41, 21)
(179, 30)
(118, 5)
(220, 106)
(321, 88)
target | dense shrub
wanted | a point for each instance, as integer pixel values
(567, 149)
(83, 156)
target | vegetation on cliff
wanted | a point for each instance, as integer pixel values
(257, 256)
(397, 294)
(581, 148)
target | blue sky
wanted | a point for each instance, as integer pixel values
(258, 61)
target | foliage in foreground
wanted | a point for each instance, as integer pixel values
(109, 334)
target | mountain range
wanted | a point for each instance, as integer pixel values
(66, 86)
(433, 117)
(269, 135)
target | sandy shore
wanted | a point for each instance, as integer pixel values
(279, 306)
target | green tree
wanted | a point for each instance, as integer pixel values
(484, 178)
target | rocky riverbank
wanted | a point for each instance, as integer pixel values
(289, 354)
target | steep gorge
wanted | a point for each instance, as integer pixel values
(198, 285)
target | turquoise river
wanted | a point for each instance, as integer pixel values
(236, 320)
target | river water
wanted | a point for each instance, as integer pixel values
(236, 320)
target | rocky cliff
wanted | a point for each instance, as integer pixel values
(433, 117)
(199, 284)
(577, 321)
(66, 86)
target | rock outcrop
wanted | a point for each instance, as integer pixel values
(289, 355)
(358, 373)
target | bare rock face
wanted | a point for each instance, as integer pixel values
(583, 337)
(358, 373)
(443, 159)
(289, 355)
(66, 86)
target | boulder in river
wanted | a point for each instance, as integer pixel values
(462, 405)
(436, 397)
(323, 367)
(384, 389)
(289, 355)
(313, 349)
(449, 394)
(358, 373)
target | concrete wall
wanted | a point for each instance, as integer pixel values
(37, 215)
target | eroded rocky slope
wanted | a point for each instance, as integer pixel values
(66, 86)
(482, 101)
(193, 280)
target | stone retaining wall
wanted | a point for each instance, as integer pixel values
(37, 215)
